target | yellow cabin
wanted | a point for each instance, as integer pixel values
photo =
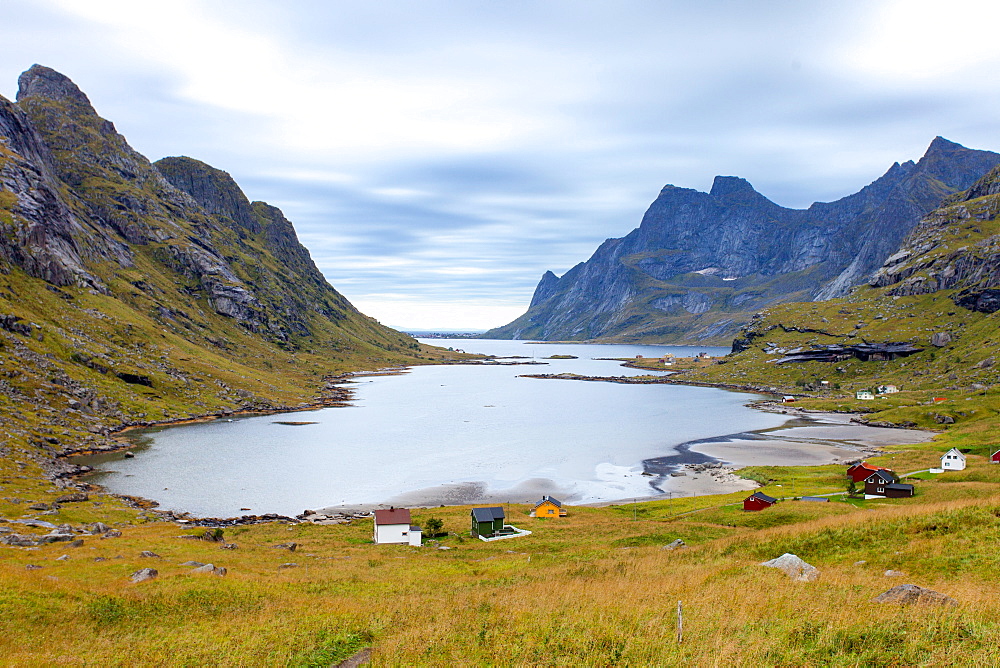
(548, 507)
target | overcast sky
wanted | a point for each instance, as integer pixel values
(436, 157)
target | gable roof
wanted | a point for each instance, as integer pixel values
(954, 451)
(487, 514)
(883, 475)
(896, 485)
(393, 516)
(551, 499)
(762, 496)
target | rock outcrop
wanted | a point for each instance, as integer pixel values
(956, 248)
(701, 263)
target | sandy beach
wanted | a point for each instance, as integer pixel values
(709, 466)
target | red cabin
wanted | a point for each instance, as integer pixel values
(758, 501)
(995, 457)
(859, 472)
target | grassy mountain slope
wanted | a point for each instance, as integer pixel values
(123, 299)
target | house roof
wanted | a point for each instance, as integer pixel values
(762, 496)
(815, 498)
(488, 514)
(955, 451)
(897, 485)
(885, 475)
(393, 516)
(550, 499)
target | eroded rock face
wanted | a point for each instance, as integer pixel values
(948, 251)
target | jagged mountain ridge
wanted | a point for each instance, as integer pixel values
(700, 263)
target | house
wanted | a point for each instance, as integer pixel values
(886, 389)
(787, 399)
(487, 522)
(995, 457)
(953, 460)
(884, 483)
(858, 472)
(393, 526)
(548, 507)
(865, 395)
(876, 483)
(758, 501)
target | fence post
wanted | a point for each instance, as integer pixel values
(680, 622)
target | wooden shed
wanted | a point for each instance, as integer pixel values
(758, 501)
(548, 507)
(995, 457)
(487, 522)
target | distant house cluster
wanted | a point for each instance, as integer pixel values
(868, 395)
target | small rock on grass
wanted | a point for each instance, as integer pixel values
(894, 574)
(289, 565)
(144, 574)
(210, 569)
(675, 545)
(192, 563)
(150, 555)
(65, 557)
(909, 594)
(291, 547)
(793, 567)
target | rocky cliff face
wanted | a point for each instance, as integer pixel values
(955, 248)
(75, 189)
(700, 263)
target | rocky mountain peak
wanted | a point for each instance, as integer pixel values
(727, 186)
(43, 81)
(214, 189)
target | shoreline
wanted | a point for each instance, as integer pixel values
(696, 468)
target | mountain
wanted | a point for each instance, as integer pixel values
(700, 263)
(135, 292)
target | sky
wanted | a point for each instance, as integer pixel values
(437, 157)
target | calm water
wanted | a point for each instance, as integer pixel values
(474, 427)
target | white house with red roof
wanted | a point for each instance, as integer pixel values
(393, 526)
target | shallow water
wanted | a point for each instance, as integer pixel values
(483, 426)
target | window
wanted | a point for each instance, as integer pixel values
(881, 490)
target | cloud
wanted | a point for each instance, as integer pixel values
(448, 152)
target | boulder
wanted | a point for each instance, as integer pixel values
(76, 497)
(940, 339)
(793, 567)
(291, 547)
(18, 540)
(210, 569)
(673, 545)
(907, 594)
(99, 528)
(144, 574)
(150, 555)
(192, 563)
